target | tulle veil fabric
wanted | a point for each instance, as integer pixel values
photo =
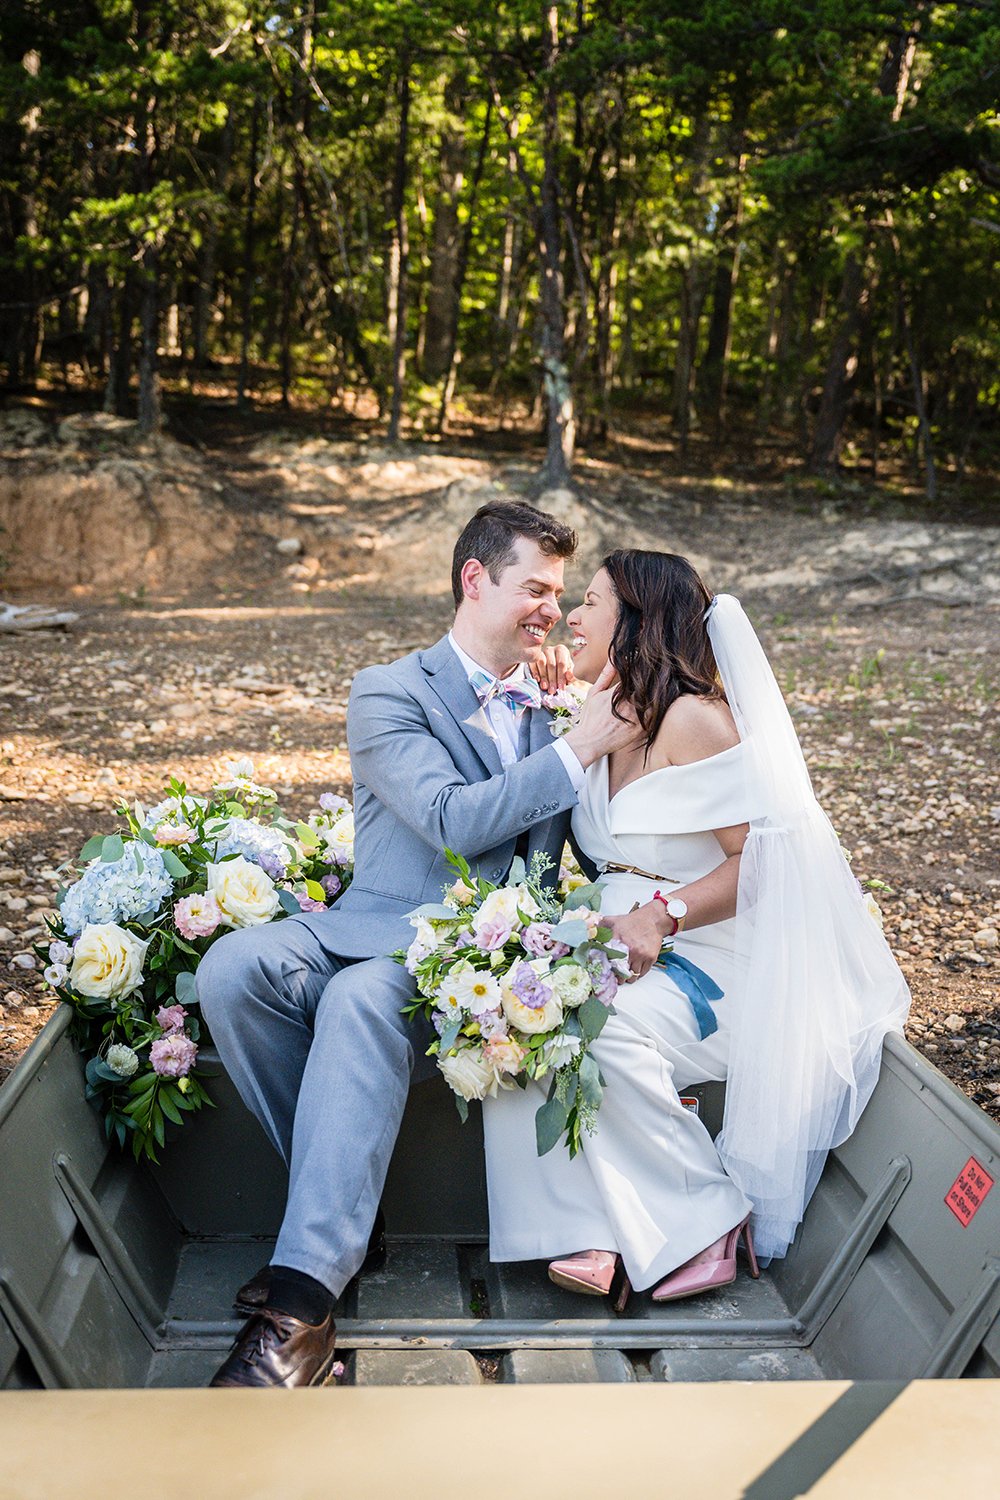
(822, 987)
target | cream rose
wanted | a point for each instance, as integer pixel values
(107, 962)
(526, 1018)
(243, 892)
(466, 1074)
(340, 838)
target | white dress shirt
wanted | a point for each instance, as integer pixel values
(505, 721)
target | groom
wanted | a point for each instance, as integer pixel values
(449, 749)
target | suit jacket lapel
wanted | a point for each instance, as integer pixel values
(447, 680)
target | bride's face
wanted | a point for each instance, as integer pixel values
(593, 625)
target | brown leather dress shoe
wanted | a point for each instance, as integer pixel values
(278, 1351)
(253, 1294)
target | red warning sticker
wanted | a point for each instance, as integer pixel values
(966, 1194)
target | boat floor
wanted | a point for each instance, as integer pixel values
(439, 1313)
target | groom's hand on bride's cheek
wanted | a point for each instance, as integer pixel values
(552, 669)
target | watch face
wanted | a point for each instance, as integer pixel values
(677, 908)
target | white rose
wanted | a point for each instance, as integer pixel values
(107, 962)
(873, 909)
(499, 907)
(244, 894)
(466, 1074)
(571, 983)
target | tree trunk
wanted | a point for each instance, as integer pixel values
(150, 407)
(462, 263)
(841, 368)
(20, 319)
(560, 412)
(444, 291)
(399, 252)
(249, 236)
(205, 285)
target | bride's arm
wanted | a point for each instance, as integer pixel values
(693, 729)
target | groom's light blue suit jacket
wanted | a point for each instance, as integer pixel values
(428, 776)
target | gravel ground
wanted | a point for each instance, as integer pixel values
(894, 707)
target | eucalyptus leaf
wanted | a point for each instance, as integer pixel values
(112, 848)
(584, 895)
(572, 931)
(450, 1035)
(434, 911)
(550, 1122)
(92, 847)
(185, 988)
(463, 1108)
(590, 1082)
(592, 1015)
(288, 903)
(174, 866)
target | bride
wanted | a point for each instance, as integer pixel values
(753, 955)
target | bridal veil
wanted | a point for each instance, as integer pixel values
(822, 987)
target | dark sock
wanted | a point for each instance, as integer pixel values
(299, 1295)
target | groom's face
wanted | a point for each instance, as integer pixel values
(508, 621)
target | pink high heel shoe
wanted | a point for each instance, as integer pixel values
(696, 1276)
(595, 1273)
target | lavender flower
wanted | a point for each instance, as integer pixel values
(530, 988)
(602, 975)
(331, 884)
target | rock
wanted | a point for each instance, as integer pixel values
(12, 997)
(289, 546)
(16, 903)
(307, 567)
(106, 777)
(954, 1022)
(24, 961)
(6, 935)
(23, 429)
(986, 937)
(81, 798)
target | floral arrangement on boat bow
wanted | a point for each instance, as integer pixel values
(147, 904)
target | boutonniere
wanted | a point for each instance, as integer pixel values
(564, 706)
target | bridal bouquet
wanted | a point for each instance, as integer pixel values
(517, 983)
(148, 903)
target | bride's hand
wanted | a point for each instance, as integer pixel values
(640, 932)
(600, 730)
(553, 669)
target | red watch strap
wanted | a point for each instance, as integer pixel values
(659, 896)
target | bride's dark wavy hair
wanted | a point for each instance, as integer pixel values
(660, 647)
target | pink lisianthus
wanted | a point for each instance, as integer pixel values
(537, 938)
(173, 1056)
(492, 935)
(197, 916)
(504, 1054)
(174, 833)
(309, 903)
(171, 1018)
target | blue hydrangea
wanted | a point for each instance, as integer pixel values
(258, 842)
(118, 891)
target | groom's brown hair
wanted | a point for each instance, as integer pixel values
(490, 535)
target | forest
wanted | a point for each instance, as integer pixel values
(776, 221)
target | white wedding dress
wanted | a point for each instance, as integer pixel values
(649, 1182)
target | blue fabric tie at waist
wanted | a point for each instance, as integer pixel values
(699, 987)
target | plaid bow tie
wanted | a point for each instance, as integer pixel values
(524, 693)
